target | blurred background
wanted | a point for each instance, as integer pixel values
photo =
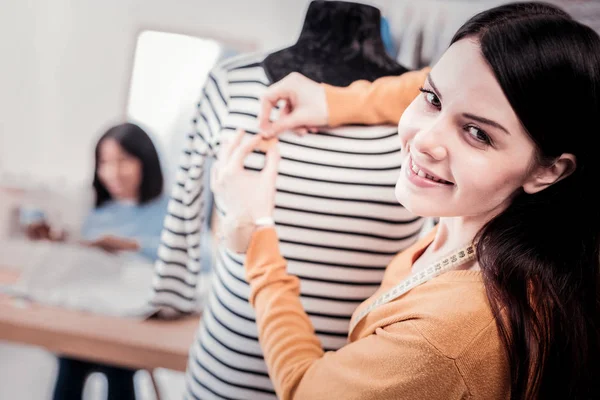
(71, 69)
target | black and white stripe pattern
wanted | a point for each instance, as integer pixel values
(337, 218)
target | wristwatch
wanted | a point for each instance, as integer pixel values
(264, 222)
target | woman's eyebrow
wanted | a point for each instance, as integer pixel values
(486, 121)
(467, 115)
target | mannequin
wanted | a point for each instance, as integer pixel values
(335, 210)
(340, 43)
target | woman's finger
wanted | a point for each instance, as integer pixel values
(242, 150)
(277, 91)
(229, 145)
(271, 163)
(267, 134)
(301, 131)
(286, 110)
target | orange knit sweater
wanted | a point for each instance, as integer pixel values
(380, 102)
(438, 341)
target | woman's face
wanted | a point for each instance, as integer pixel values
(119, 171)
(462, 132)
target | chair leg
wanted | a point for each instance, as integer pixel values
(154, 384)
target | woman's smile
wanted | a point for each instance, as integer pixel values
(421, 177)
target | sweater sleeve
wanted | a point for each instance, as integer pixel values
(380, 102)
(178, 265)
(149, 246)
(396, 362)
(151, 228)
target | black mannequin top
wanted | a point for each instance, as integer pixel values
(340, 43)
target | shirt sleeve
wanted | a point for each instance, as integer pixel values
(151, 229)
(380, 102)
(178, 265)
(396, 362)
(149, 247)
(28, 216)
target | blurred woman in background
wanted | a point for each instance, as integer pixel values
(127, 217)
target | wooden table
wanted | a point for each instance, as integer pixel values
(126, 342)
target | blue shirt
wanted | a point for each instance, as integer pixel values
(140, 222)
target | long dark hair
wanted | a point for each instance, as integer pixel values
(540, 257)
(136, 142)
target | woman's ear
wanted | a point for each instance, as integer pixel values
(545, 176)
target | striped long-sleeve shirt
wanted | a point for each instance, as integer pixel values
(336, 215)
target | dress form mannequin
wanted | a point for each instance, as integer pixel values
(340, 43)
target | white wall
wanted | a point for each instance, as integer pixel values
(66, 66)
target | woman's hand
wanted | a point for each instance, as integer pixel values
(246, 196)
(305, 106)
(40, 230)
(114, 244)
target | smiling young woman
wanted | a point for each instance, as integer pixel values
(501, 299)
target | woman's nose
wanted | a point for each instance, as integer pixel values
(431, 141)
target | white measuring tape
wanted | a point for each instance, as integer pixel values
(459, 257)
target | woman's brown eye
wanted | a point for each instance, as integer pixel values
(433, 100)
(478, 135)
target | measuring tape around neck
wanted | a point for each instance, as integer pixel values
(447, 263)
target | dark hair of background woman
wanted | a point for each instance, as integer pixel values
(136, 142)
(540, 257)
